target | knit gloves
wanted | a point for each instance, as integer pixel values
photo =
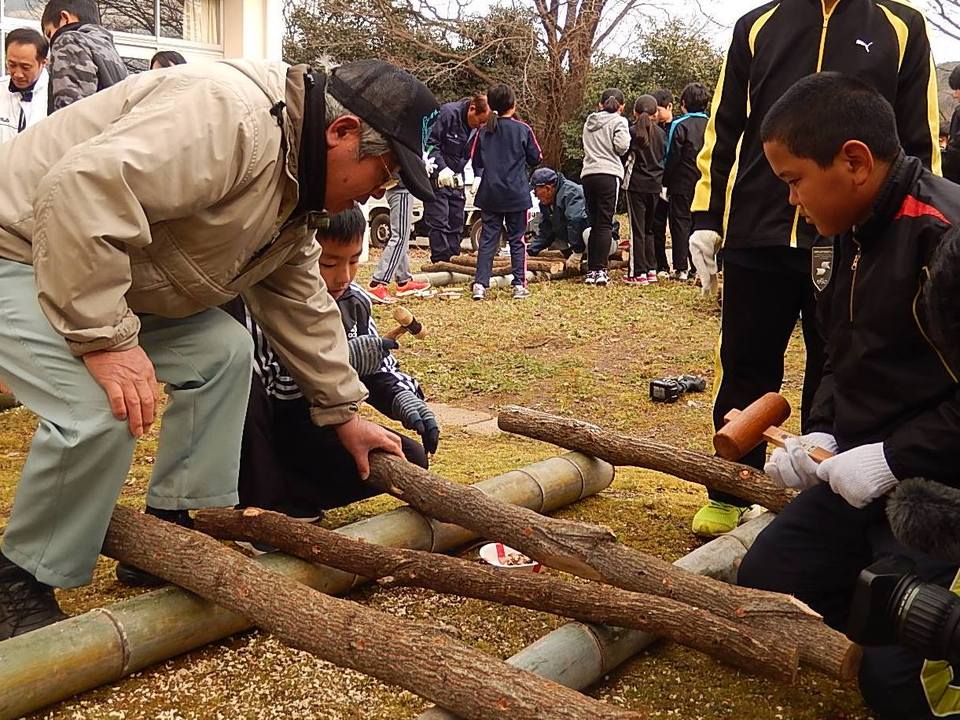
(704, 245)
(860, 475)
(368, 351)
(414, 414)
(791, 466)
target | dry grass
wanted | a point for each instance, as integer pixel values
(570, 349)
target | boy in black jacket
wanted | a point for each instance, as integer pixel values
(889, 402)
(289, 464)
(680, 172)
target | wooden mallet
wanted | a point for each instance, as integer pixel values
(758, 422)
(408, 324)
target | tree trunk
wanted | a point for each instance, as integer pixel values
(593, 553)
(712, 472)
(393, 650)
(758, 652)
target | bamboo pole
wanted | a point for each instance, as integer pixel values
(104, 645)
(580, 654)
(616, 448)
(757, 651)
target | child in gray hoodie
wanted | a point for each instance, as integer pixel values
(606, 137)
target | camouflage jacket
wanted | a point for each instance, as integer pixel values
(83, 60)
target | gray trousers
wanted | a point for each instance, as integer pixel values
(394, 261)
(81, 454)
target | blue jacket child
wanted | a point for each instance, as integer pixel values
(501, 153)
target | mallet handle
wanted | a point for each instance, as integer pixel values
(778, 436)
(396, 332)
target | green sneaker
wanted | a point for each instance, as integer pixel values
(717, 518)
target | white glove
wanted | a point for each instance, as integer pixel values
(663, 194)
(446, 178)
(860, 475)
(704, 245)
(573, 262)
(791, 466)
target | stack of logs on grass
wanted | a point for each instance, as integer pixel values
(764, 633)
(548, 265)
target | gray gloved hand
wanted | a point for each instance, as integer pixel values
(792, 466)
(573, 262)
(368, 351)
(414, 414)
(860, 475)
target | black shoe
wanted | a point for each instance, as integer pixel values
(25, 603)
(135, 577)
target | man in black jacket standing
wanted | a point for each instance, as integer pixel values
(951, 156)
(741, 203)
(888, 406)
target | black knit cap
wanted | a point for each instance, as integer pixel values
(397, 105)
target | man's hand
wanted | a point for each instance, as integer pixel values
(367, 352)
(446, 178)
(414, 414)
(704, 245)
(860, 475)
(360, 436)
(128, 379)
(791, 466)
(573, 262)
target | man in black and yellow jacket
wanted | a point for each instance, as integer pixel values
(740, 203)
(888, 406)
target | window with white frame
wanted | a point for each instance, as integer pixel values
(141, 27)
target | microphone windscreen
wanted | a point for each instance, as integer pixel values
(925, 516)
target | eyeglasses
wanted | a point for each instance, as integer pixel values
(391, 181)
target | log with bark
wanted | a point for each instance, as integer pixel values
(533, 265)
(616, 448)
(465, 269)
(756, 651)
(593, 553)
(396, 651)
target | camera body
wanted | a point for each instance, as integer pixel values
(669, 389)
(891, 605)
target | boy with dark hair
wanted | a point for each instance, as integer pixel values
(888, 405)
(83, 59)
(951, 154)
(289, 464)
(680, 172)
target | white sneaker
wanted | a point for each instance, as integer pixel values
(520, 292)
(602, 278)
(591, 278)
(479, 291)
(682, 276)
(663, 274)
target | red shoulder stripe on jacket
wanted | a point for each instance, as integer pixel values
(913, 208)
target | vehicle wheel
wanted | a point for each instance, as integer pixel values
(380, 230)
(475, 231)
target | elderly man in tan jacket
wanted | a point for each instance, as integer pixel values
(126, 220)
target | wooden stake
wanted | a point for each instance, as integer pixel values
(758, 652)
(715, 473)
(391, 649)
(533, 264)
(593, 553)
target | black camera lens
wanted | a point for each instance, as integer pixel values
(927, 619)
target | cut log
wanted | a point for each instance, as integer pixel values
(347, 634)
(593, 553)
(715, 473)
(459, 268)
(758, 652)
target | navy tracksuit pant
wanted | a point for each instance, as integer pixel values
(494, 223)
(444, 218)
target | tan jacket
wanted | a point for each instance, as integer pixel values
(167, 194)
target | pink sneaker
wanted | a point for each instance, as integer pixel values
(652, 276)
(639, 280)
(381, 293)
(411, 287)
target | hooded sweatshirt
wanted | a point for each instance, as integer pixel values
(606, 137)
(83, 60)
